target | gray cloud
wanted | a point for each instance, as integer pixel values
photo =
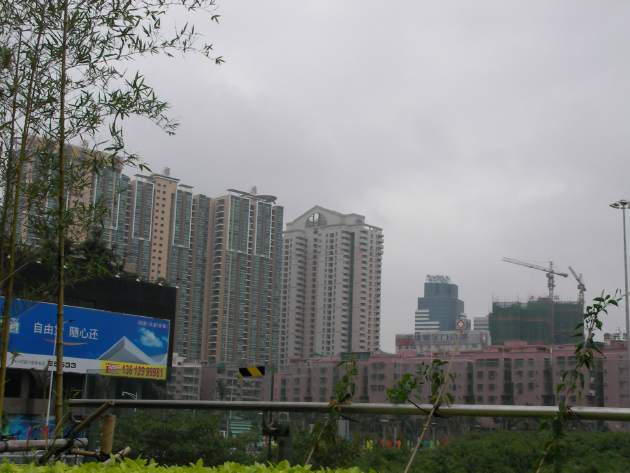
(467, 130)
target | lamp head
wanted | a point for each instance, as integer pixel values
(620, 204)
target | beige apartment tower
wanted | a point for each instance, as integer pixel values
(331, 298)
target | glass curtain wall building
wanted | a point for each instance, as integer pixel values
(441, 301)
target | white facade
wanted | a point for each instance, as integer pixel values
(423, 322)
(481, 323)
(185, 380)
(331, 298)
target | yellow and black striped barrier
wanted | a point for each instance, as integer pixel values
(252, 371)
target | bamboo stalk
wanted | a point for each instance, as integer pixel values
(8, 294)
(61, 221)
(107, 434)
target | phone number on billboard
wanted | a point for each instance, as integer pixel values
(135, 370)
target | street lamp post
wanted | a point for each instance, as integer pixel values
(623, 205)
(133, 396)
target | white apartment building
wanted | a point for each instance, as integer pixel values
(331, 293)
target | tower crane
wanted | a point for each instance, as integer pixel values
(551, 284)
(581, 287)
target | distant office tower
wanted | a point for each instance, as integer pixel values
(245, 284)
(440, 299)
(331, 298)
(481, 323)
(531, 321)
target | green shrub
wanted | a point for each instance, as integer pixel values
(143, 466)
(182, 438)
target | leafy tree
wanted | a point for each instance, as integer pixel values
(67, 78)
(409, 389)
(572, 381)
(325, 442)
(183, 437)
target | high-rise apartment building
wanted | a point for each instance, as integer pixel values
(165, 239)
(38, 200)
(442, 302)
(245, 281)
(224, 255)
(331, 297)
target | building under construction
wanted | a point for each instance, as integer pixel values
(531, 321)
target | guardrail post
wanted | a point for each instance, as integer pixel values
(53, 453)
(107, 435)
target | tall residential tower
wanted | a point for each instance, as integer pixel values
(245, 281)
(166, 240)
(331, 297)
(223, 254)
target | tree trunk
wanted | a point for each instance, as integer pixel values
(9, 178)
(8, 293)
(61, 228)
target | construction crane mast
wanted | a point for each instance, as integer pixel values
(551, 283)
(581, 287)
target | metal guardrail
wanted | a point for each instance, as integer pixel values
(26, 445)
(454, 410)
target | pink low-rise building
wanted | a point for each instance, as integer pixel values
(514, 373)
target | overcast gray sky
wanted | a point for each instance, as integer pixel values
(467, 130)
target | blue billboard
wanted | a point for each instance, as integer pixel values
(94, 341)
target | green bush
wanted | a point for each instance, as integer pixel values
(143, 466)
(183, 437)
(518, 452)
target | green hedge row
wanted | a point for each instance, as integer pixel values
(143, 466)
